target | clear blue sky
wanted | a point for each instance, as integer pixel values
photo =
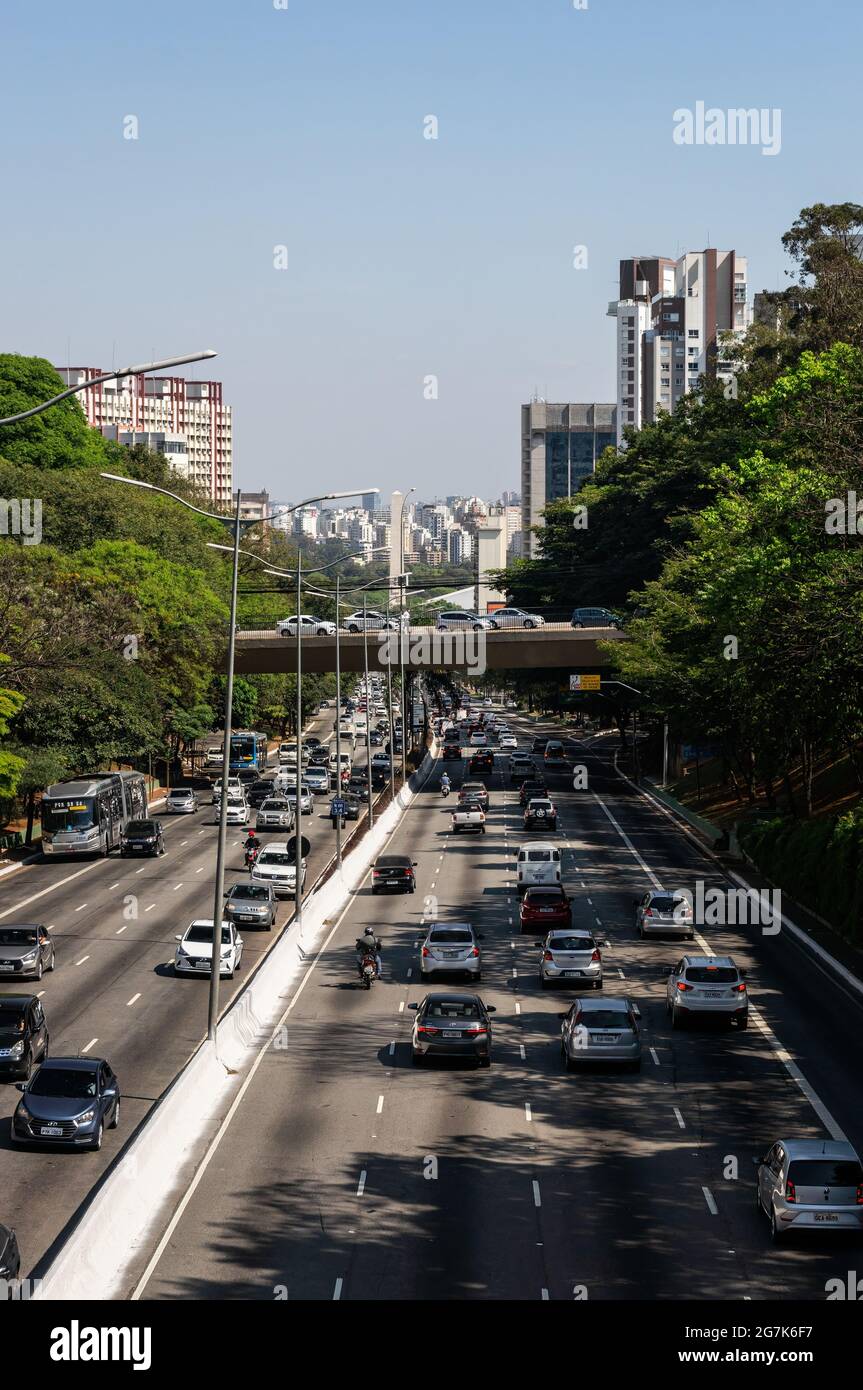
(407, 256)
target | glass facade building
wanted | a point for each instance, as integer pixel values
(561, 444)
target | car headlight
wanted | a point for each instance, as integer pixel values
(86, 1118)
(30, 958)
(16, 1050)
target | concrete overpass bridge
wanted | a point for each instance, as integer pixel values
(554, 645)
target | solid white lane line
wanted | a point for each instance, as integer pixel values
(629, 845)
(135, 997)
(537, 1199)
(361, 1185)
(380, 1105)
(121, 929)
(337, 1291)
(711, 1201)
(89, 1045)
(81, 961)
(679, 1118)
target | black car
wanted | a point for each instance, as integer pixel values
(376, 738)
(358, 786)
(452, 751)
(532, 787)
(25, 951)
(452, 1025)
(481, 762)
(142, 837)
(538, 745)
(594, 617)
(394, 871)
(319, 757)
(23, 1036)
(10, 1258)
(260, 791)
(353, 803)
(69, 1101)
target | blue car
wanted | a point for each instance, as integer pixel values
(68, 1101)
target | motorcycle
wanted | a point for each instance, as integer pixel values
(368, 970)
(252, 856)
(444, 791)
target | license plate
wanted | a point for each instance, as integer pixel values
(570, 972)
(712, 994)
(604, 1037)
(51, 1131)
(825, 1217)
(547, 909)
(454, 1034)
(6, 965)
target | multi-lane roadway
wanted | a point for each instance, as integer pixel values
(347, 1174)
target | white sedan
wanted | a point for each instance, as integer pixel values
(478, 740)
(309, 626)
(508, 741)
(194, 954)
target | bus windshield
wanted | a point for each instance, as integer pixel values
(243, 748)
(68, 815)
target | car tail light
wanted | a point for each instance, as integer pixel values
(790, 1192)
(647, 912)
(425, 950)
(682, 985)
(476, 1028)
(547, 955)
(740, 989)
(860, 1194)
(597, 955)
(423, 1028)
(475, 951)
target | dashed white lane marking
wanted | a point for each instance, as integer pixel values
(380, 1105)
(392, 1048)
(183, 842)
(120, 929)
(361, 1185)
(527, 1115)
(537, 1199)
(337, 1291)
(521, 1052)
(133, 1000)
(200, 871)
(620, 973)
(711, 1201)
(679, 1118)
(39, 993)
(410, 971)
(112, 886)
(402, 1007)
(654, 1056)
(81, 908)
(544, 1296)
(590, 900)
(141, 870)
(514, 973)
(517, 1007)
(176, 886)
(150, 908)
(81, 961)
(89, 1045)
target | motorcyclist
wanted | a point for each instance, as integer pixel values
(252, 843)
(368, 945)
(444, 785)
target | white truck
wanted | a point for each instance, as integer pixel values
(468, 816)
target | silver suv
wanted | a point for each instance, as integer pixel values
(810, 1185)
(660, 913)
(707, 985)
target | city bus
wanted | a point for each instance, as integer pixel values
(248, 750)
(88, 815)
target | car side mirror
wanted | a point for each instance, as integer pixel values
(178, 938)
(20, 1085)
(491, 1009)
(413, 1006)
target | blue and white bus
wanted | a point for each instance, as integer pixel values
(88, 815)
(248, 750)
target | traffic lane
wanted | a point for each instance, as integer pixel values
(810, 1014)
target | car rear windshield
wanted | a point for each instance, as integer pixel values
(825, 1172)
(539, 856)
(187, 791)
(544, 895)
(667, 904)
(71, 1084)
(275, 806)
(17, 936)
(452, 1008)
(538, 805)
(392, 861)
(711, 975)
(572, 943)
(604, 1018)
(452, 934)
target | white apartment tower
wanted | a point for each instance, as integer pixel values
(191, 410)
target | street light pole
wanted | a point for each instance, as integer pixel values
(298, 809)
(368, 718)
(338, 786)
(140, 370)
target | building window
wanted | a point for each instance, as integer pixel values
(693, 333)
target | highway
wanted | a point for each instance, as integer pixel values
(114, 993)
(346, 1173)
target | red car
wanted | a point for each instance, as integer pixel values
(543, 908)
(452, 750)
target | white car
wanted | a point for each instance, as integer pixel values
(478, 740)
(235, 787)
(276, 866)
(486, 704)
(469, 816)
(194, 954)
(538, 865)
(238, 810)
(309, 626)
(182, 800)
(508, 741)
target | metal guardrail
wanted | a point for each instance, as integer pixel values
(374, 635)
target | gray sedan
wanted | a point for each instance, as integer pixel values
(450, 949)
(251, 903)
(25, 951)
(601, 1030)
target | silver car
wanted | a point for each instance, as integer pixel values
(571, 958)
(810, 1185)
(601, 1030)
(252, 903)
(182, 800)
(659, 913)
(702, 985)
(317, 778)
(458, 618)
(515, 617)
(451, 948)
(25, 951)
(275, 814)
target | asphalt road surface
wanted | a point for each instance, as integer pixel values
(346, 1173)
(114, 993)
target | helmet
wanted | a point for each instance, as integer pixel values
(369, 931)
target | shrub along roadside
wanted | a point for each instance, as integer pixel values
(819, 863)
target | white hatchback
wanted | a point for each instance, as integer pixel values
(194, 954)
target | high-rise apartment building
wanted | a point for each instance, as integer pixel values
(560, 445)
(670, 316)
(191, 410)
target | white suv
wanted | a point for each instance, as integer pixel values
(707, 985)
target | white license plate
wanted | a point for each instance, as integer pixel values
(51, 1131)
(455, 1033)
(712, 994)
(825, 1217)
(605, 1037)
(6, 965)
(570, 972)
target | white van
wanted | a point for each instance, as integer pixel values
(538, 865)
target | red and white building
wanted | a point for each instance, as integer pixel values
(192, 411)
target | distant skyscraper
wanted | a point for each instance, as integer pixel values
(371, 501)
(560, 445)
